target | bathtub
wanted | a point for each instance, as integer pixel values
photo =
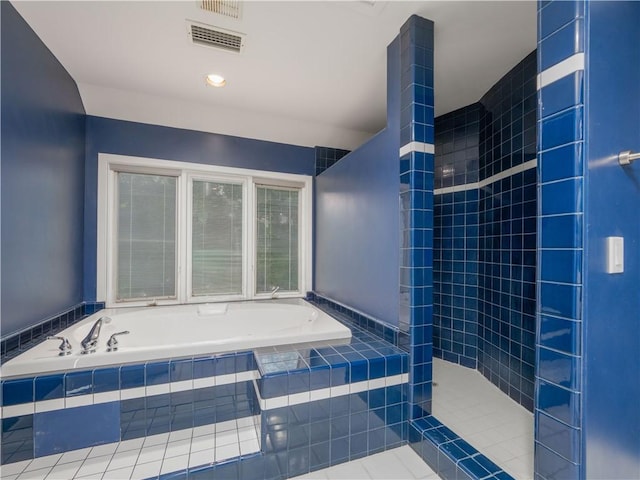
(183, 330)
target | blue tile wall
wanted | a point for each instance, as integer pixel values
(561, 145)
(456, 230)
(416, 206)
(15, 344)
(326, 157)
(485, 236)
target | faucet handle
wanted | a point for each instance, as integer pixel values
(65, 346)
(112, 343)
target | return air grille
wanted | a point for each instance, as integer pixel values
(228, 8)
(216, 38)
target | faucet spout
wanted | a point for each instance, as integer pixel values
(90, 342)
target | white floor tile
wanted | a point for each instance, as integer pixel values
(74, 455)
(203, 442)
(160, 439)
(151, 453)
(174, 464)
(347, 471)
(8, 477)
(226, 437)
(201, 457)
(64, 471)
(178, 448)
(480, 413)
(94, 465)
(101, 450)
(14, 468)
(35, 474)
(123, 459)
(180, 435)
(146, 470)
(118, 474)
(225, 452)
(127, 445)
(412, 461)
(41, 462)
(249, 446)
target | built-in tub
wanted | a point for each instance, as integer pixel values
(183, 330)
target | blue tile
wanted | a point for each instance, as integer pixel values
(181, 370)
(563, 231)
(549, 464)
(561, 438)
(15, 392)
(556, 15)
(559, 368)
(562, 94)
(560, 334)
(562, 44)
(561, 163)
(559, 403)
(157, 373)
(132, 376)
(106, 380)
(560, 300)
(83, 427)
(225, 364)
(49, 387)
(561, 197)
(562, 129)
(78, 383)
(564, 266)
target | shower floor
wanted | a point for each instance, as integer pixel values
(144, 457)
(479, 412)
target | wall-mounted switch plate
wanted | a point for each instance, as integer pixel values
(615, 254)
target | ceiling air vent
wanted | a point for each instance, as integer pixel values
(228, 8)
(209, 36)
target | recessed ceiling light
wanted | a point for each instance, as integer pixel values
(216, 80)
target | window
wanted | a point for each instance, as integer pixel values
(277, 239)
(173, 232)
(216, 239)
(146, 232)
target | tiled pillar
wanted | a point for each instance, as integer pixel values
(559, 350)
(416, 203)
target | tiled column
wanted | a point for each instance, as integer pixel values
(559, 351)
(416, 200)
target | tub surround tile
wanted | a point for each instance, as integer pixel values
(16, 343)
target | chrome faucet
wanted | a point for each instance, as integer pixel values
(274, 291)
(90, 342)
(65, 346)
(112, 343)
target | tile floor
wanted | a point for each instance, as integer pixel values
(479, 412)
(145, 457)
(396, 464)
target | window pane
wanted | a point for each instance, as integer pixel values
(277, 239)
(146, 236)
(216, 241)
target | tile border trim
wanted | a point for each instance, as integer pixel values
(420, 147)
(560, 70)
(488, 181)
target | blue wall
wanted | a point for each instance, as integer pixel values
(142, 140)
(43, 133)
(357, 248)
(612, 303)
(587, 420)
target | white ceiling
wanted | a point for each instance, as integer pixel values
(312, 73)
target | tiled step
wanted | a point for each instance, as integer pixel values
(145, 457)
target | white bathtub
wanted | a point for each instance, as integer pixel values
(183, 330)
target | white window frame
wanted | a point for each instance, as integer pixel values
(108, 167)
